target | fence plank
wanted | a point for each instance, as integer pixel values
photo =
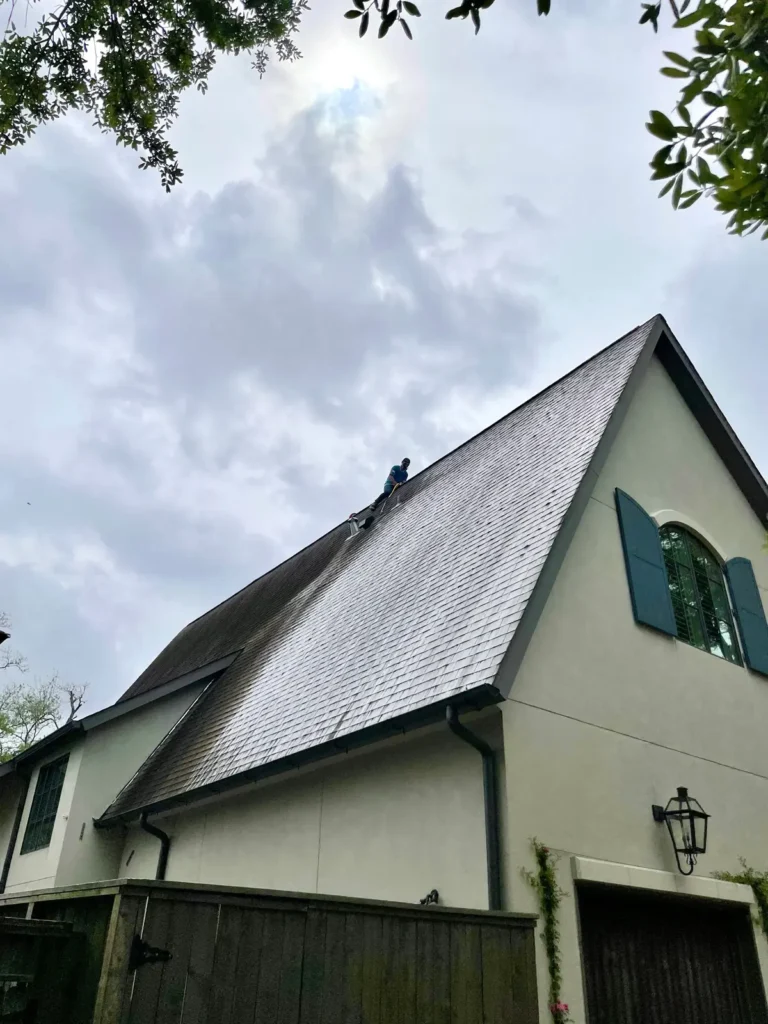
(174, 977)
(333, 968)
(314, 962)
(497, 979)
(373, 968)
(441, 973)
(389, 998)
(466, 965)
(352, 1012)
(148, 979)
(522, 970)
(200, 968)
(406, 971)
(225, 962)
(291, 969)
(268, 994)
(115, 984)
(245, 982)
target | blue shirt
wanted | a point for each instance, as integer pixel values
(398, 474)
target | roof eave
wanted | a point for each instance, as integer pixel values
(712, 421)
(471, 700)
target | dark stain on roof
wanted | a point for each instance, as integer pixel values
(352, 632)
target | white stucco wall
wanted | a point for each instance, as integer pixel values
(608, 717)
(390, 823)
(112, 754)
(101, 762)
(37, 869)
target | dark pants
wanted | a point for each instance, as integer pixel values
(382, 497)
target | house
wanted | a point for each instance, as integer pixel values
(547, 633)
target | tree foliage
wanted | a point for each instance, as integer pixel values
(127, 62)
(29, 710)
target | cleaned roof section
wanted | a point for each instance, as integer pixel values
(421, 609)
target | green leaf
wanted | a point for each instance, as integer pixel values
(667, 187)
(661, 156)
(412, 9)
(353, 14)
(703, 171)
(712, 98)
(677, 190)
(406, 28)
(359, 4)
(456, 12)
(690, 19)
(683, 112)
(690, 201)
(677, 59)
(364, 24)
(476, 19)
(674, 72)
(658, 118)
(543, 6)
(667, 171)
(661, 131)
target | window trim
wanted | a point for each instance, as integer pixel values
(669, 516)
(31, 822)
(673, 519)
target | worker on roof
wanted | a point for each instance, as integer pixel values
(397, 475)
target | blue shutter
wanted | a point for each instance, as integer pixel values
(646, 572)
(749, 613)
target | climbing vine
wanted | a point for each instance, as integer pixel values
(544, 882)
(758, 882)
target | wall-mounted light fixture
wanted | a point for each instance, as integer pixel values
(686, 821)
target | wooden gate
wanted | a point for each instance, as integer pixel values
(213, 955)
(38, 970)
(656, 959)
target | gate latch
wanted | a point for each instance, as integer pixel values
(142, 953)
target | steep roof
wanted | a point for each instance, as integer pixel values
(352, 633)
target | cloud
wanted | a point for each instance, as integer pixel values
(201, 384)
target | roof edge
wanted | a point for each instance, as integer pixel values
(513, 656)
(117, 710)
(711, 419)
(470, 700)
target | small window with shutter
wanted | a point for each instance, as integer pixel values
(699, 596)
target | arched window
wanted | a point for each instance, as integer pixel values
(699, 596)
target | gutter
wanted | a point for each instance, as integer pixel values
(12, 839)
(491, 802)
(165, 845)
(433, 714)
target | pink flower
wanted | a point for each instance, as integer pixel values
(559, 1008)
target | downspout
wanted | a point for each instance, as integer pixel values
(165, 845)
(491, 801)
(14, 832)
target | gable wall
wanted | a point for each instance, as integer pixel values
(607, 717)
(391, 823)
(100, 764)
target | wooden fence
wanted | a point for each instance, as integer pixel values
(168, 953)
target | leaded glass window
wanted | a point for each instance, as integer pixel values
(699, 596)
(45, 804)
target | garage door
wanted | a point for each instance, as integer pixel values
(656, 959)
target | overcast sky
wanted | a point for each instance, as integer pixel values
(375, 252)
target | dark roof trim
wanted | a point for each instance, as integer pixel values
(662, 343)
(515, 653)
(471, 700)
(114, 711)
(711, 419)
